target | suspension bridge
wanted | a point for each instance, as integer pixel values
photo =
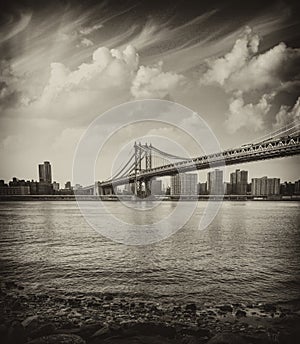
(147, 161)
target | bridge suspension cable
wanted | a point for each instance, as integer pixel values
(171, 156)
(121, 168)
(278, 132)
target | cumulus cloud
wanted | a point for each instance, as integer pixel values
(222, 68)
(245, 73)
(111, 77)
(247, 115)
(244, 69)
(286, 115)
(108, 70)
(268, 70)
(152, 82)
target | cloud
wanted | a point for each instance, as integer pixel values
(286, 115)
(113, 76)
(268, 80)
(269, 70)
(90, 29)
(252, 116)
(245, 70)
(109, 69)
(221, 69)
(86, 43)
(9, 92)
(12, 28)
(152, 82)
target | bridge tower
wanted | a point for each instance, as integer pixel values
(137, 168)
(148, 166)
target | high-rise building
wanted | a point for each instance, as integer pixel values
(68, 185)
(239, 182)
(297, 187)
(265, 186)
(215, 184)
(55, 186)
(45, 175)
(184, 184)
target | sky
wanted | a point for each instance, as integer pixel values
(64, 63)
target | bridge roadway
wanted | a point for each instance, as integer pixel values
(283, 147)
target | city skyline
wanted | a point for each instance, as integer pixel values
(215, 181)
(65, 64)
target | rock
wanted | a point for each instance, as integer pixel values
(30, 323)
(149, 329)
(102, 332)
(226, 338)
(269, 307)
(191, 307)
(17, 306)
(58, 339)
(44, 330)
(108, 297)
(85, 331)
(16, 334)
(240, 314)
(195, 332)
(226, 308)
(11, 285)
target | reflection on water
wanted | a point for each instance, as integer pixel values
(251, 252)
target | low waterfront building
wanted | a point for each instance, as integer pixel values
(265, 186)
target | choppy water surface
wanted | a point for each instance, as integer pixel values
(250, 253)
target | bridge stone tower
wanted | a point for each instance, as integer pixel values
(148, 166)
(137, 168)
(142, 152)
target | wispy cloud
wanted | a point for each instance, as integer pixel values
(13, 28)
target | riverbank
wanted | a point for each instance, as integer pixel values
(114, 318)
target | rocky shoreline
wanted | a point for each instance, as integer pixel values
(111, 318)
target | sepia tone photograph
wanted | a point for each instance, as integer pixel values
(149, 172)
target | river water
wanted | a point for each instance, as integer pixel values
(249, 253)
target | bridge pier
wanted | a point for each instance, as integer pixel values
(147, 187)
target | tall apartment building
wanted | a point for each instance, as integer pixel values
(265, 186)
(156, 187)
(239, 182)
(215, 184)
(184, 184)
(45, 175)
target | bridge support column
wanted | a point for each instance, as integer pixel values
(98, 189)
(108, 191)
(147, 187)
(137, 169)
(148, 166)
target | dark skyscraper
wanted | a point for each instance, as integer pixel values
(45, 172)
(239, 182)
(215, 182)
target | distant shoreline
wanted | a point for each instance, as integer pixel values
(114, 198)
